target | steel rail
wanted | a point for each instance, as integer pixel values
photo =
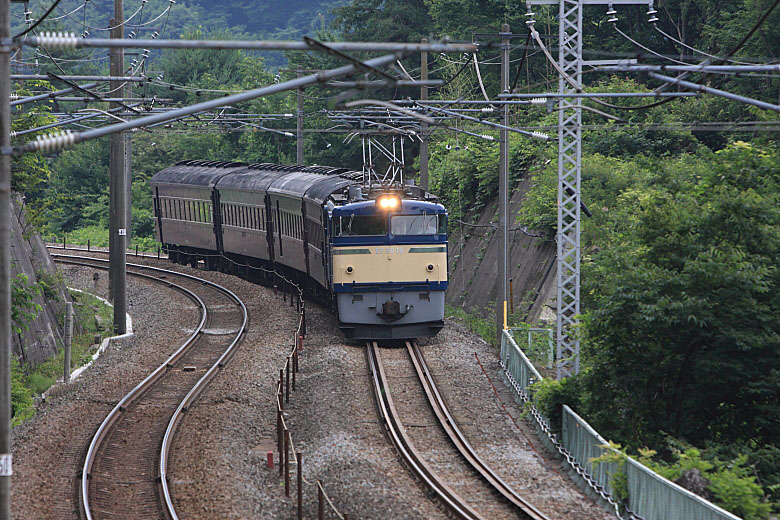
(460, 441)
(157, 373)
(403, 444)
(193, 395)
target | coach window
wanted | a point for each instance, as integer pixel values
(414, 224)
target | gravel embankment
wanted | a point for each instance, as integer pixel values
(218, 467)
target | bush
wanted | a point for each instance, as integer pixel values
(550, 396)
(731, 483)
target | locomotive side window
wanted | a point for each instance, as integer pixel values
(360, 225)
(415, 224)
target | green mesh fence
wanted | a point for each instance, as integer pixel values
(650, 496)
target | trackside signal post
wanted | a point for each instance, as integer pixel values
(569, 172)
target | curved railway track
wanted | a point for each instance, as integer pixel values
(498, 499)
(125, 472)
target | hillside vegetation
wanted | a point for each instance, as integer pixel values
(680, 261)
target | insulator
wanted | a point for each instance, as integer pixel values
(85, 33)
(54, 142)
(488, 109)
(652, 19)
(540, 135)
(539, 101)
(612, 19)
(58, 40)
(155, 34)
(14, 97)
(487, 137)
(530, 15)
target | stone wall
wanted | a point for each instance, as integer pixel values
(473, 262)
(44, 334)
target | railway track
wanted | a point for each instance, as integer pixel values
(466, 486)
(125, 472)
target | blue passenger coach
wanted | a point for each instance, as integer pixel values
(389, 267)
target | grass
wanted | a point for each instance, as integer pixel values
(97, 236)
(485, 328)
(29, 382)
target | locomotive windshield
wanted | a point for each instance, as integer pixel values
(418, 224)
(359, 225)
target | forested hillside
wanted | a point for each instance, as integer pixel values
(680, 261)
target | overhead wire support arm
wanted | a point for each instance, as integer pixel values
(43, 77)
(55, 142)
(87, 92)
(537, 135)
(62, 40)
(716, 92)
(49, 95)
(311, 42)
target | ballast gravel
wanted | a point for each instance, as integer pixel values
(219, 463)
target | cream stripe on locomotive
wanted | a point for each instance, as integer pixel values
(378, 264)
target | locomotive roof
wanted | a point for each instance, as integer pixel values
(408, 206)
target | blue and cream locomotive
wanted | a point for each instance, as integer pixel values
(380, 254)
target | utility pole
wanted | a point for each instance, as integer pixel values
(299, 123)
(503, 189)
(424, 125)
(128, 137)
(117, 225)
(5, 263)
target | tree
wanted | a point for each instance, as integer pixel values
(682, 332)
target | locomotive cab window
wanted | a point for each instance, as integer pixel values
(418, 224)
(359, 225)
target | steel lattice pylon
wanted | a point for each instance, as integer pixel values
(569, 174)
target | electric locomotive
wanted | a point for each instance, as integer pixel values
(389, 266)
(380, 257)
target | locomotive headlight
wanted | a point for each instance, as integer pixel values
(430, 267)
(350, 269)
(389, 202)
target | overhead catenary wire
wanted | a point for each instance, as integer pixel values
(39, 20)
(683, 44)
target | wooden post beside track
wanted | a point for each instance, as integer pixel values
(287, 462)
(320, 502)
(300, 484)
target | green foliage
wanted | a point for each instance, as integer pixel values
(49, 283)
(464, 170)
(615, 454)
(400, 20)
(690, 291)
(550, 395)
(732, 484)
(27, 382)
(31, 169)
(22, 406)
(23, 306)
